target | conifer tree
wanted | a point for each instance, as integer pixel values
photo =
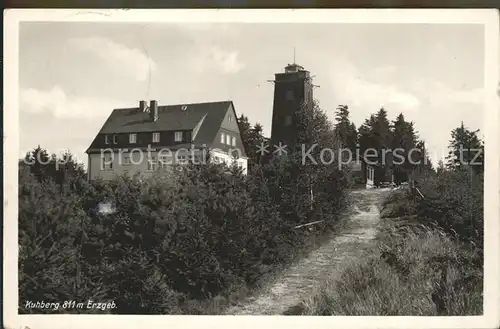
(465, 149)
(404, 140)
(345, 130)
(251, 137)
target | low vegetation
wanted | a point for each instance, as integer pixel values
(430, 240)
(426, 264)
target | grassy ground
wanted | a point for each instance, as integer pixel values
(418, 270)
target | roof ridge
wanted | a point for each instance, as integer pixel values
(179, 104)
(211, 102)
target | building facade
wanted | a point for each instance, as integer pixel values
(293, 90)
(147, 139)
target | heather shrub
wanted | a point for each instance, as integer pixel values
(51, 267)
(158, 244)
(454, 200)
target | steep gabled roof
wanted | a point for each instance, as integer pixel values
(171, 117)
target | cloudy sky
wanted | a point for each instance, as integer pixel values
(73, 74)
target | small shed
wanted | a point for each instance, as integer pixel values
(377, 174)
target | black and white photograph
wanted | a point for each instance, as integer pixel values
(287, 168)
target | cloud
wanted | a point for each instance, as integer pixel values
(439, 94)
(383, 72)
(358, 89)
(56, 102)
(127, 60)
(225, 61)
(365, 92)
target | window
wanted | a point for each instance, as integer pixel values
(230, 117)
(106, 163)
(222, 138)
(106, 139)
(288, 120)
(233, 141)
(151, 164)
(181, 159)
(156, 137)
(228, 140)
(132, 138)
(178, 136)
(115, 139)
(126, 159)
(164, 161)
(289, 95)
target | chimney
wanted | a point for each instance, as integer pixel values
(153, 110)
(142, 106)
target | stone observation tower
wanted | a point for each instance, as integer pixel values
(293, 90)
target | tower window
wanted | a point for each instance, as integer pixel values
(289, 95)
(288, 120)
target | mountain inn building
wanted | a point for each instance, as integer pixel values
(150, 138)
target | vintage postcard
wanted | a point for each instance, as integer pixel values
(251, 168)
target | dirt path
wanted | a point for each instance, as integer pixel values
(326, 261)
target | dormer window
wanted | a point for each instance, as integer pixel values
(106, 139)
(156, 137)
(115, 139)
(132, 138)
(178, 136)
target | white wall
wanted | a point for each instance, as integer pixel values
(120, 167)
(228, 160)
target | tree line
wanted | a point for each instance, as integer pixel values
(377, 135)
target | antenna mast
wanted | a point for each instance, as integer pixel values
(293, 54)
